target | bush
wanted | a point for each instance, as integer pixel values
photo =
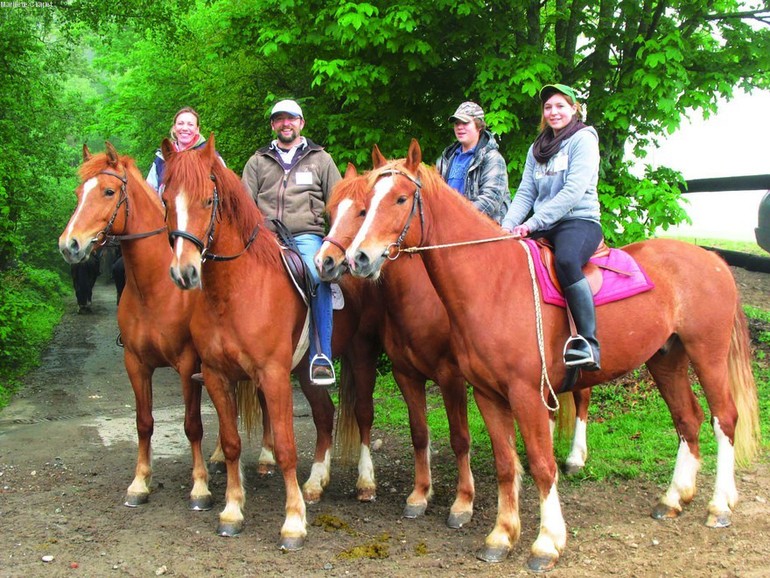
(31, 305)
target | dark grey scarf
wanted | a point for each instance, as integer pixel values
(547, 145)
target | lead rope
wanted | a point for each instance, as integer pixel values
(540, 340)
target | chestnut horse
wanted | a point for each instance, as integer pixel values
(509, 345)
(250, 322)
(415, 334)
(114, 201)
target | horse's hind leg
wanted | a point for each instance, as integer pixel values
(669, 371)
(455, 397)
(140, 375)
(322, 408)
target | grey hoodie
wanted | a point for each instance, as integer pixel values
(563, 188)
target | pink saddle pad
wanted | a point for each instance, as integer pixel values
(616, 286)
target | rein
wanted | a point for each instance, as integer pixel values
(205, 248)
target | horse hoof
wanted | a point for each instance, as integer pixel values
(493, 554)
(229, 529)
(413, 511)
(459, 519)
(368, 495)
(217, 468)
(136, 500)
(265, 470)
(719, 520)
(541, 563)
(291, 543)
(202, 504)
(572, 469)
(311, 498)
(664, 512)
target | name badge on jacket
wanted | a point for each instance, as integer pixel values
(304, 178)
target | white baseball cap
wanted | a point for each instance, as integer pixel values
(287, 106)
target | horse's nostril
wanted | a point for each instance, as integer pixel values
(361, 260)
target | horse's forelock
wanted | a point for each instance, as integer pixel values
(353, 188)
(187, 167)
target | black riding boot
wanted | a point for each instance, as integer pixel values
(582, 351)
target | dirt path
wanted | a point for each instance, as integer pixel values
(67, 451)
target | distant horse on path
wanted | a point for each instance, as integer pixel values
(84, 275)
(509, 343)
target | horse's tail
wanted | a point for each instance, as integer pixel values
(565, 416)
(347, 437)
(744, 391)
(249, 408)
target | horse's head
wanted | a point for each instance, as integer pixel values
(347, 209)
(102, 206)
(392, 200)
(192, 201)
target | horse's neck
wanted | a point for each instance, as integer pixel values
(148, 258)
(459, 273)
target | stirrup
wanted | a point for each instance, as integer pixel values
(582, 357)
(322, 373)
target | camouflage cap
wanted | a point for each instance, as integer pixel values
(466, 112)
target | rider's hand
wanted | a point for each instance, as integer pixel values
(520, 231)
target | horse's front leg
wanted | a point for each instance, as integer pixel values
(222, 395)
(277, 388)
(576, 460)
(502, 433)
(455, 396)
(532, 417)
(322, 408)
(200, 495)
(140, 375)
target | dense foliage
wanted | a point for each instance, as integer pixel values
(365, 72)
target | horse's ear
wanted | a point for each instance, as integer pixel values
(209, 150)
(351, 171)
(413, 157)
(167, 149)
(86, 153)
(112, 154)
(378, 159)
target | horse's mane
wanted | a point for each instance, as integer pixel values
(100, 162)
(236, 204)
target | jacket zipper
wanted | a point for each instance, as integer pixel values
(282, 196)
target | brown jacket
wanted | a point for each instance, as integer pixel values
(298, 196)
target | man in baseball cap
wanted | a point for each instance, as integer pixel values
(473, 165)
(291, 180)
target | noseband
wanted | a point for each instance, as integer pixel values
(205, 248)
(416, 205)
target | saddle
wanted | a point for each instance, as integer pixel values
(611, 273)
(591, 270)
(293, 262)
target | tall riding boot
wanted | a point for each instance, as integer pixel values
(582, 351)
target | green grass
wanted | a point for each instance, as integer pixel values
(630, 431)
(749, 247)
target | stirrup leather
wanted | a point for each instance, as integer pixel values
(585, 358)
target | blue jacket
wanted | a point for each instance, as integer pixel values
(486, 182)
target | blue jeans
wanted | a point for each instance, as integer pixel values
(321, 304)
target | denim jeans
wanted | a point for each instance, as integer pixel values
(321, 304)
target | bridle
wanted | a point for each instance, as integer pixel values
(103, 237)
(416, 205)
(204, 248)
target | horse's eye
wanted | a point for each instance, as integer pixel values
(208, 202)
(401, 200)
(109, 192)
(362, 213)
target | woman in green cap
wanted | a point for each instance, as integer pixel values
(557, 200)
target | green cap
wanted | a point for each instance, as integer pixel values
(549, 89)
